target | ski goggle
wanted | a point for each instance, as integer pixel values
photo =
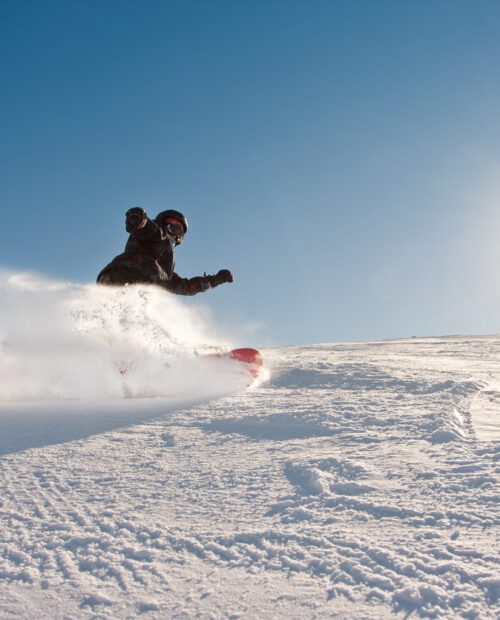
(174, 227)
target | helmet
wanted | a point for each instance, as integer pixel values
(164, 215)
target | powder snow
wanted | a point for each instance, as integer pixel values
(358, 481)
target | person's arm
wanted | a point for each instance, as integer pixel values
(199, 284)
(138, 224)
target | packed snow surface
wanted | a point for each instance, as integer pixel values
(141, 480)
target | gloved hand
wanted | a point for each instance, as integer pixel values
(135, 218)
(224, 275)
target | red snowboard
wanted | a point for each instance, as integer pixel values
(251, 357)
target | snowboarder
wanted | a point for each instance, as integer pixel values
(149, 255)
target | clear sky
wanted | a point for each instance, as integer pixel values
(342, 158)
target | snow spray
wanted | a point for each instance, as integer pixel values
(62, 341)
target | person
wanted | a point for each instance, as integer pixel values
(149, 255)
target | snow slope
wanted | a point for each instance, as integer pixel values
(360, 481)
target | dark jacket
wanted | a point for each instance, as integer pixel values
(149, 258)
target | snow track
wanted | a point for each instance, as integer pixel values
(354, 484)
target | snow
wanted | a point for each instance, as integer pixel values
(358, 481)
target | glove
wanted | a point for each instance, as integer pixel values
(135, 218)
(223, 276)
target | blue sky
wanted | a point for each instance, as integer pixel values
(341, 158)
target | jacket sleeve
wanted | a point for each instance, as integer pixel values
(143, 229)
(186, 286)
